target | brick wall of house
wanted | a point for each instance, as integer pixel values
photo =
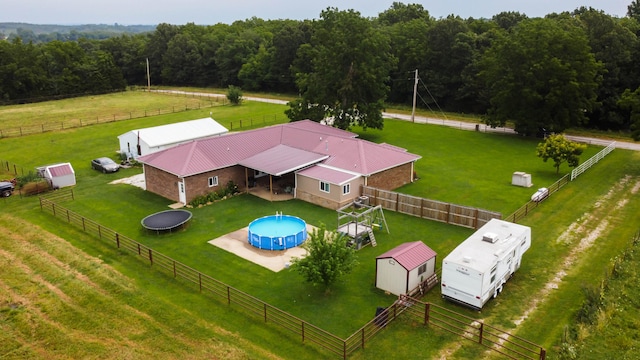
(162, 183)
(198, 185)
(393, 178)
(166, 185)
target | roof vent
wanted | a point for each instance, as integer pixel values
(466, 259)
(490, 237)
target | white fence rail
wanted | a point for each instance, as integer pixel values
(594, 159)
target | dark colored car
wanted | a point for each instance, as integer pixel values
(6, 188)
(105, 165)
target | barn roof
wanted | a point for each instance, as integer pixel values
(410, 255)
(301, 143)
(179, 132)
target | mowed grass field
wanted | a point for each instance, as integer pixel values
(467, 168)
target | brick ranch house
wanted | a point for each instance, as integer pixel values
(312, 162)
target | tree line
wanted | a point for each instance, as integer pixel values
(564, 70)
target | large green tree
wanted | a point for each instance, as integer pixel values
(630, 102)
(541, 74)
(559, 149)
(351, 61)
(328, 258)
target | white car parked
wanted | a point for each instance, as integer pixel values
(540, 195)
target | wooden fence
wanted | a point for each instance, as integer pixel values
(429, 209)
(306, 332)
(526, 208)
(494, 339)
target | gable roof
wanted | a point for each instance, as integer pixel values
(282, 159)
(410, 255)
(330, 175)
(179, 132)
(300, 144)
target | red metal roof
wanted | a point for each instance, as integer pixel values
(60, 170)
(282, 159)
(410, 255)
(313, 143)
(327, 174)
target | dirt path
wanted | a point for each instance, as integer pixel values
(582, 234)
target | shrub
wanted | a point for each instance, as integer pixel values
(28, 178)
(234, 95)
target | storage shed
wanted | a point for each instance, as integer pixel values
(403, 268)
(58, 175)
(147, 141)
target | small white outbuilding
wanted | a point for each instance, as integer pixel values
(403, 268)
(147, 141)
(58, 175)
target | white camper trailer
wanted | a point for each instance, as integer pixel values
(477, 269)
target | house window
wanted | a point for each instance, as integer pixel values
(422, 269)
(213, 181)
(346, 189)
(324, 186)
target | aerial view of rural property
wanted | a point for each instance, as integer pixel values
(339, 180)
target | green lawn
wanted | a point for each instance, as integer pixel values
(462, 167)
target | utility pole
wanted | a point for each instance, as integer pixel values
(415, 91)
(148, 77)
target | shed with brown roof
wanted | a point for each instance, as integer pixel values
(403, 268)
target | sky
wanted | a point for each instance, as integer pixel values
(209, 12)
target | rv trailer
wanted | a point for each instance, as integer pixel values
(477, 269)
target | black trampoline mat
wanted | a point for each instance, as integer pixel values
(166, 220)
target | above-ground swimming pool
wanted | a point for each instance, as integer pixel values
(277, 232)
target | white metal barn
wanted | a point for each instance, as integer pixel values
(146, 141)
(58, 175)
(405, 267)
(477, 269)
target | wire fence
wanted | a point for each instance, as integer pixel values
(107, 118)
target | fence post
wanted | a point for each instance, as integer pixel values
(84, 228)
(427, 308)
(363, 337)
(68, 218)
(481, 331)
(264, 306)
(118, 240)
(200, 281)
(99, 231)
(228, 295)
(53, 207)
(543, 354)
(151, 257)
(174, 269)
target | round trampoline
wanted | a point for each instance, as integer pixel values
(277, 232)
(166, 220)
